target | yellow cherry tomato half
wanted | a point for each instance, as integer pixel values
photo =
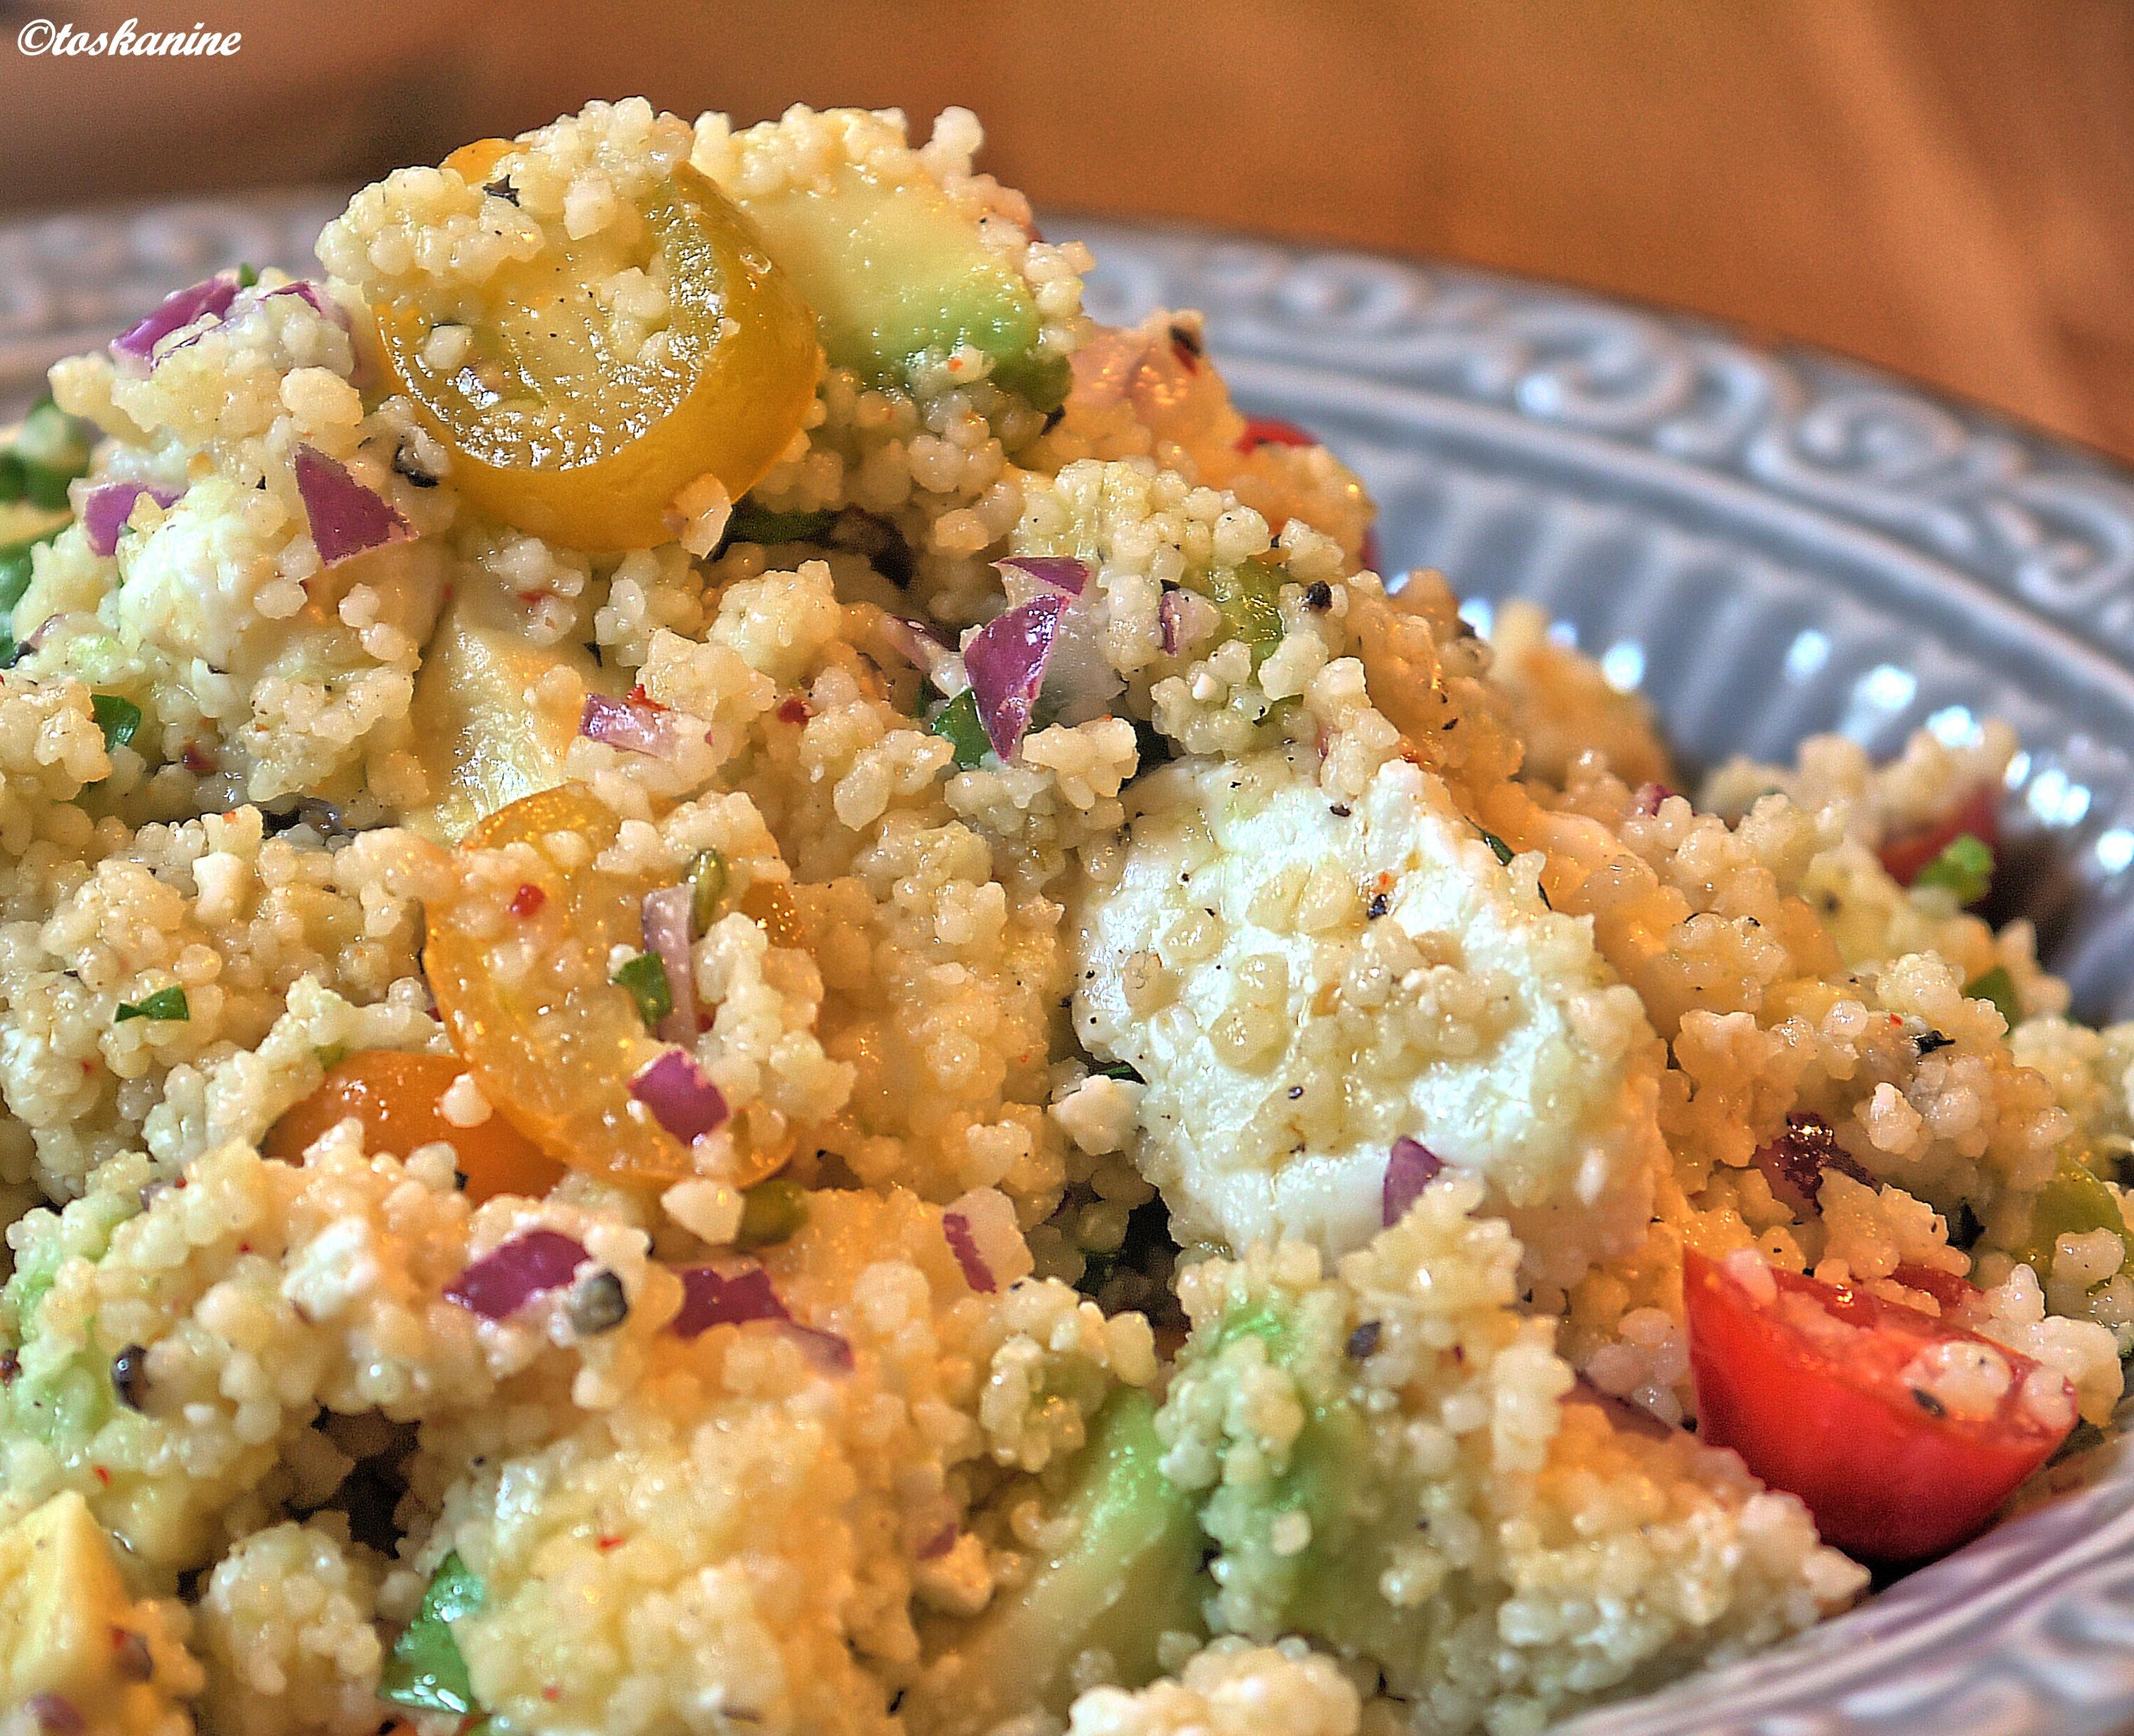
(574, 418)
(398, 1099)
(520, 967)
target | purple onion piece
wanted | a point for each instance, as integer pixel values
(1413, 1167)
(54, 1714)
(964, 1246)
(829, 1353)
(915, 642)
(731, 1295)
(1650, 796)
(506, 1278)
(346, 518)
(106, 507)
(1061, 572)
(319, 302)
(1166, 614)
(211, 298)
(1794, 1163)
(639, 729)
(681, 1099)
(939, 1544)
(666, 922)
(1006, 661)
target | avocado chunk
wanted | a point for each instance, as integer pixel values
(1131, 1573)
(493, 714)
(70, 1635)
(892, 271)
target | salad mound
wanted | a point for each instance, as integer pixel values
(748, 985)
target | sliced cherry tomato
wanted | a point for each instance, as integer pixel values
(555, 431)
(1979, 814)
(525, 986)
(396, 1097)
(1820, 1390)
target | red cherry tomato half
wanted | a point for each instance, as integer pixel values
(1979, 815)
(1819, 1390)
(1271, 430)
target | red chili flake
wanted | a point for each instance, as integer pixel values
(102, 1476)
(1271, 430)
(793, 711)
(527, 900)
(1186, 346)
(533, 599)
(609, 1543)
(551, 1693)
(638, 697)
(194, 759)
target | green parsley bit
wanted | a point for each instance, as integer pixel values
(165, 1004)
(957, 723)
(1249, 600)
(1999, 988)
(247, 276)
(771, 1211)
(1965, 868)
(425, 1670)
(1498, 847)
(119, 719)
(1118, 1070)
(752, 523)
(332, 1055)
(645, 977)
(707, 886)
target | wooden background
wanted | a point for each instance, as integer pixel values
(1945, 187)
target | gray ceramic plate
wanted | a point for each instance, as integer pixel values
(1769, 544)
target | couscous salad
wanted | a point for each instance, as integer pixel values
(748, 986)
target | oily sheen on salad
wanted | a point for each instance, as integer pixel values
(749, 985)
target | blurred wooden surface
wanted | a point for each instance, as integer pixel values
(1945, 187)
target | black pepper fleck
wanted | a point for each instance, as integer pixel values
(1377, 907)
(1363, 1341)
(1319, 596)
(1928, 1041)
(1340, 810)
(1929, 1403)
(129, 1376)
(1294, 1093)
(501, 188)
(598, 1305)
(405, 466)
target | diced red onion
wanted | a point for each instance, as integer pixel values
(106, 507)
(346, 518)
(175, 310)
(1651, 796)
(1413, 1167)
(638, 728)
(39, 633)
(506, 1278)
(1795, 1162)
(681, 1099)
(921, 647)
(826, 1350)
(1271, 430)
(319, 302)
(54, 1714)
(1061, 572)
(731, 1295)
(964, 1246)
(1006, 661)
(1166, 616)
(666, 920)
(939, 1544)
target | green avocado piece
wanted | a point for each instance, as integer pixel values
(490, 723)
(2073, 1203)
(892, 270)
(1131, 1573)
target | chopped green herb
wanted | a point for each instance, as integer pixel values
(119, 719)
(645, 977)
(771, 1211)
(1249, 600)
(426, 1671)
(51, 450)
(1118, 1070)
(707, 886)
(1999, 988)
(167, 1004)
(247, 276)
(332, 1055)
(753, 523)
(14, 579)
(957, 723)
(1502, 850)
(1965, 868)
